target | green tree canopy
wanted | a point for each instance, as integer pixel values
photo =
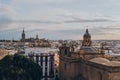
(18, 67)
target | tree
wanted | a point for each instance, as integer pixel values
(18, 67)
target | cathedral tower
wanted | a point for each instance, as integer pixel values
(23, 36)
(37, 38)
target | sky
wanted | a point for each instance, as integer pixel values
(60, 19)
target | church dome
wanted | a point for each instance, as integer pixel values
(87, 34)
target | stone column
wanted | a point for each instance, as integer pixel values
(46, 67)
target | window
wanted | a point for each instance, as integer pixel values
(65, 51)
(100, 74)
(56, 71)
(65, 66)
(46, 63)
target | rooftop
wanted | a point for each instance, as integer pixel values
(3, 53)
(105, 61)
(89, 50)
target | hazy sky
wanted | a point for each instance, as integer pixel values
(60, 19)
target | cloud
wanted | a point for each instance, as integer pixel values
(42, 1)
(36, 21)
(112, 28)
(87, 20)
(57, 19)
(5, 17)
(4, 21)
(116, 2)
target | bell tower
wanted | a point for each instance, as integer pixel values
(23, 36)
(86, 39)
(37, 37)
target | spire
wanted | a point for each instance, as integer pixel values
(87, 35)
(87, 31)
(23, 36)
(23, 30)
(37, 36)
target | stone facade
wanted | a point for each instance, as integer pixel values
(87, 63)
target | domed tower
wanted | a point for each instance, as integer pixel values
(23, 36)
(87, 39)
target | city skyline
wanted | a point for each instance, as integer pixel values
(61, 19)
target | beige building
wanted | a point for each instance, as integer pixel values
(3, 53)
(86, 63)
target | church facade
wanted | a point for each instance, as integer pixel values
(34, 42)
(87, 63)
